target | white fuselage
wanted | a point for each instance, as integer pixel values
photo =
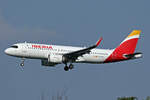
(42, 51)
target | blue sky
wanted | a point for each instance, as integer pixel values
(77, 23)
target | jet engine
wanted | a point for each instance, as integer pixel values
(45, 62)
(55, 59)
(52, 60)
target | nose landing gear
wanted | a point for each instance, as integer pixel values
(22, 63)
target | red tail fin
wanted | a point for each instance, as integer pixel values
(129, 44)
(126, 47)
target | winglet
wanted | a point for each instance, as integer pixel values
(99, 41)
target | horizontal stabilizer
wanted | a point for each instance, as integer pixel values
(134, 55)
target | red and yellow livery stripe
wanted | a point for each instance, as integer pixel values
(126, 47)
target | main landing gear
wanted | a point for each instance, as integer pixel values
(66, 68)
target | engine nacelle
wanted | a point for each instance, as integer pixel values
(45, 62)
(55, 59)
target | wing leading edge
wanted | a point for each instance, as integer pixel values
(75, 54)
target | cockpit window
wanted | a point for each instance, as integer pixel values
(14, 46)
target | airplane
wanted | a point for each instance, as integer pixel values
(51, 55)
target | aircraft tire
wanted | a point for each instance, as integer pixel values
(66, 68)
(71, 66)
(22, 64)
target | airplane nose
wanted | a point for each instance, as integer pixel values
(10, 51)
(6, 51)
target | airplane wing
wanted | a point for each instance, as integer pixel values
(75, 54)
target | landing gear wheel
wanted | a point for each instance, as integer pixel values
(22, 64)
(71, 66)
(66, 68)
